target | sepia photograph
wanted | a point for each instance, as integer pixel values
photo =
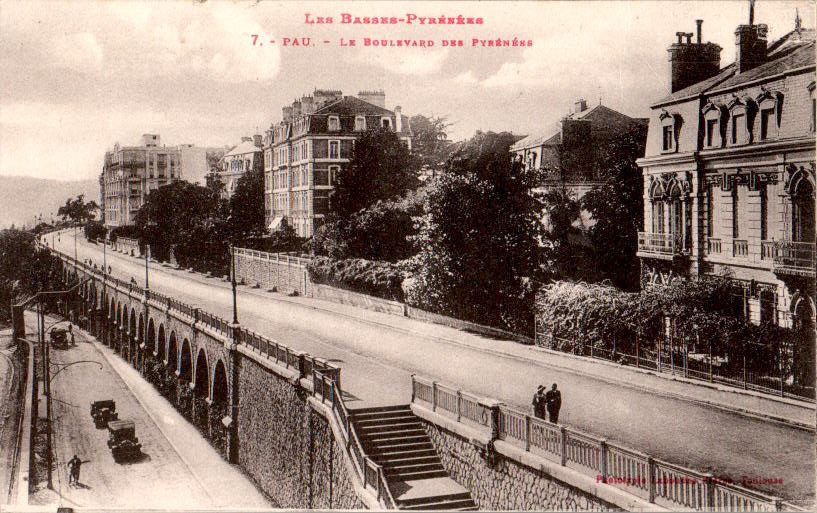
(262, 255)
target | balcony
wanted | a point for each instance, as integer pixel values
(713, 246)
(740, 248)
(790, 258)
(664, 246)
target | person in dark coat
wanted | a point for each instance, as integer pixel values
(553, 402)
(74, 465)
(539, 403)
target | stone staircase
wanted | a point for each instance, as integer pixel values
(394, 438)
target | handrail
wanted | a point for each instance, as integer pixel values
(635, 472)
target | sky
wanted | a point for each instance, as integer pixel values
(78, 76)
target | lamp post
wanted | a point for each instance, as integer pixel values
(232, 270)
(148, 226)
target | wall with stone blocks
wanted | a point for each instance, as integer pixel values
(269, 275)
(286, 446)
(506, 484)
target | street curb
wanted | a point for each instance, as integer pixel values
(92, 340)
(732, 409)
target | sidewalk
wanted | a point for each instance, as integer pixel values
(785, 410)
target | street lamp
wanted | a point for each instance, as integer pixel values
(148, 225)
(232, 272)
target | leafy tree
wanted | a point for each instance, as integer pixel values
(564, 252)
(429, 140)
(618, 209)
(247, 206)
(381, 168)
(95, 230)
(78, 210)
(479, 238)
(24, 270)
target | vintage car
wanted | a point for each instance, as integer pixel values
(103, 412)
(122, 440)
(59, 337)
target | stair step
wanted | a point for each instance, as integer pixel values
(461, 505)
(407, 460)
(420, 474)
(412, 467)
(399, 454)
(396, 433)
(399, 424)
(395, 441)
(364, 417)
(396, 448)
(380, 409)
(434, 498)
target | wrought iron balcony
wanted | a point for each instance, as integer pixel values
(791, 258)
(660, 245)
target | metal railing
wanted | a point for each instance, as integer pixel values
(272, 257)
(368, 471)
(713, 246)
(657, 243)
(660, 482)
(797, 258)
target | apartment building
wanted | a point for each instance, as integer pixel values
(246, 156)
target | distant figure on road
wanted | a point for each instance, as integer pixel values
(74, 465)
(539, 403)
(553, 402)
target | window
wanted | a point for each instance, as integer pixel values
(334, 123)
(813, 114)
(735, 216)
(710, 211)
(658, 216)
(803, 226)
(333, 174)
(334, 149)
(711, 132)
(360, 123)
(764, 214)
(738, 129)
(385, 122)
(766, 123)
(667, 138)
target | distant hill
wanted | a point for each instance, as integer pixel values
(23, 198)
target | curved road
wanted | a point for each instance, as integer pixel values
(377, 362)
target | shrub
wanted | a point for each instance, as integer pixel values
(381, 279)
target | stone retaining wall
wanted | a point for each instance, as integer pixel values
(282, 276)
(505, 484)
(288, 447)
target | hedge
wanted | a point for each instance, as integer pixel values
(375, 278)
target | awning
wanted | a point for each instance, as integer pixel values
(276, 223)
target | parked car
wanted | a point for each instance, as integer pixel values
(103, 412)
(122, 440)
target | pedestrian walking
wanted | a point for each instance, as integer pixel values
(553, 402)
(74, 465)
(539, 403)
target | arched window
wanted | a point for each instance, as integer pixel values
(670, 128)
(770, 108)
(714, 122)
(657, 199)
(803, 211)
(741, 118)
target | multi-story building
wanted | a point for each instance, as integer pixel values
(729, 173)
(305, 151)
(570, 154)
(247, 156)
(129, 173)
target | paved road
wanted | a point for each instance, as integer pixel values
(169, 475)
(377, 362)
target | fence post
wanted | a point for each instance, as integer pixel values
(433, 396)
(709, 492)
(686, 357)
(651, 477)
(527, 433)
(637, 353)
(780, 360)
(603, 443)
(658, 352)
(413, 395)
(744, 372)
(563, 433)
(459, 405)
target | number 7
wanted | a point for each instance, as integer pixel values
(254, 38)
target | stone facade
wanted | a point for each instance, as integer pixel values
(283, 275)
(287, 447)
(506, 484)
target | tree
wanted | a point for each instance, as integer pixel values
(24, 269)
(381, 168)
(78, 210)
(429, 140)
(187, 218)
(479, 238)
(618, 209)
(247, 206)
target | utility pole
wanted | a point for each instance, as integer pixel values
(47, 391)
(232, 263)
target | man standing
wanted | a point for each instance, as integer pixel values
(73, 465)
(553, 402)
(539, 403)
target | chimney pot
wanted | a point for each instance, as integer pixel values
(580, 105)
(689, 37)
(680, 37)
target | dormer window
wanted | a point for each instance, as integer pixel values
(670, 124)
(813, 107)
(385, 123)
(769, 105)
(742, 113)
(334, 123)
(360, 123)
(739, 129)
(713, 121)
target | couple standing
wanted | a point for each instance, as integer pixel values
(550, 401)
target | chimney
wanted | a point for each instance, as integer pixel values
(750, 45)
(580, 105)
(398, 119)
(296, 109)
(326, 96)
(246, 139)
(256, 139)
(308, 104)
(691, 62)
(374, 97)
(287, 114)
